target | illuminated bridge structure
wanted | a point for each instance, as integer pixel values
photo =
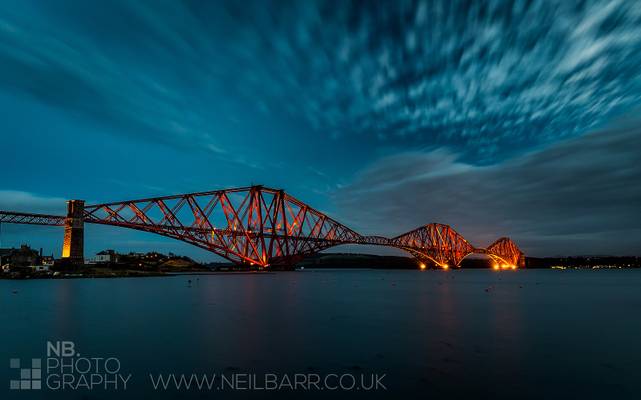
(256, 226)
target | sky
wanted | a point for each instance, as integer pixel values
(500, 118)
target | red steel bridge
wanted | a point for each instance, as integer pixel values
(256, 226)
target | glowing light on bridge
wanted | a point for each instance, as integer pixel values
(504, 266)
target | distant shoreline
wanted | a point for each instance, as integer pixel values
(352, 260)
(318, 262)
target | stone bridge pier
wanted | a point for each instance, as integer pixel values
(73, 245)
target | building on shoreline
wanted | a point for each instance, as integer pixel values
(106, 257)
(21, 257)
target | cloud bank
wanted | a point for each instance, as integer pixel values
(16, 200)
(581, 196)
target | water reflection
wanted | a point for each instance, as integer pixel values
(432, 332)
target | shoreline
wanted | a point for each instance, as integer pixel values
(129, 274)
(158, 274)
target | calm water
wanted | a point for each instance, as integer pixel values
(434, 334)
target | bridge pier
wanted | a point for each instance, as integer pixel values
(73, 246)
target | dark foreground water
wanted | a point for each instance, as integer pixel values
(433, 334)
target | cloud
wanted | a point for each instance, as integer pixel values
(15, 200)
(37, 236)
(581, 196)
(486, 78)
(81, 74)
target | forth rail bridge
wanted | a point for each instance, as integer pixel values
(256, 226)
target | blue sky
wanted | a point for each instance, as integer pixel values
(498, 117)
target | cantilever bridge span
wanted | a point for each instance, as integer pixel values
(254, 226)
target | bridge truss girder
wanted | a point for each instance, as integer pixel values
(266, 227)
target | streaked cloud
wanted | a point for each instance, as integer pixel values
(484, 78)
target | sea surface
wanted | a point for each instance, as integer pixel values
(429, 334)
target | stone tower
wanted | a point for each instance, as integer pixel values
(73, 246)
